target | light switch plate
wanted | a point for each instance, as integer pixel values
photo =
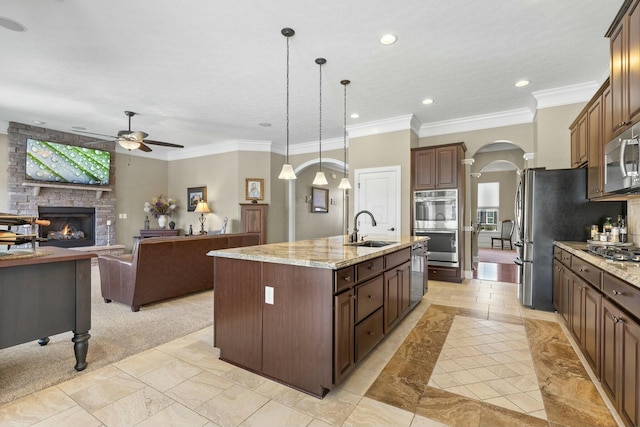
(268, 295)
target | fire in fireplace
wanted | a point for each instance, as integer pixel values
(70, 226)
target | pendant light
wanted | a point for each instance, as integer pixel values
(344, 182)
(287, 171)
(320, 179)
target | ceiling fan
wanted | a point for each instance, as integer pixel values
(132, 140)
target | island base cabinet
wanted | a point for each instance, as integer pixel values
(237, 323)
(286, 333)
(344, 351)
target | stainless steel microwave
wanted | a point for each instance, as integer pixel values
(622, 161)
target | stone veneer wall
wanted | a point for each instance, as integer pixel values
(22, 200)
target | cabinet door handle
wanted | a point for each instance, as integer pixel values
(370, 296)
(347, 278)
(616, 292)
(370, 267)
(371, 333)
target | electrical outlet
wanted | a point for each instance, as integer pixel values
(268, 295)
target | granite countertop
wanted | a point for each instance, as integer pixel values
(627, 271)
(327, 252)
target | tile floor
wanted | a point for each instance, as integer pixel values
(183, 383)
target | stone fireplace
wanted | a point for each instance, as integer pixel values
(70, 226)
(28, 198)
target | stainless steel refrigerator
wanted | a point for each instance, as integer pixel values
(551, 205)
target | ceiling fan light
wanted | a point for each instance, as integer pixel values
(287, 172)
(320, 179)
(128, 144)
(344, 184)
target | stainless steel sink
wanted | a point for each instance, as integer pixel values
(371, 243)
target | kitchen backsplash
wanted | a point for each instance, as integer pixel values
(633, 218)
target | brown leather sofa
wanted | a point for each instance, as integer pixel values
(160, 268)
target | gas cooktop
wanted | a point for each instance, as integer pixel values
(616, 253)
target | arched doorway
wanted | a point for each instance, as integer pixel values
(303, 222)
(494, 178)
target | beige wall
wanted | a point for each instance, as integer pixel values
(138, 180)
(553, 141)
(310, 225)
(390, 149)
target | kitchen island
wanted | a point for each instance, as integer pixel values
(306, 313)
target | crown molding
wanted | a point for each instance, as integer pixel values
(484, 121)
(391, 124)
(565, 95)
(312, 147)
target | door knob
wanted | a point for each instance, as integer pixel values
(392, 229)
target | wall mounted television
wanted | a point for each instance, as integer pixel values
(68, 164)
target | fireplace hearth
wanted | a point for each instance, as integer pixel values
(70, 226)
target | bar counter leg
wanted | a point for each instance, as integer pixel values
(80, 348)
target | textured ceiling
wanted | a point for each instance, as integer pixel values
(205, 72)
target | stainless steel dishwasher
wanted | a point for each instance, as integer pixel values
(419, 272)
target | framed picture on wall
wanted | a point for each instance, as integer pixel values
(195, 195)
(254, 189)
(319, 200)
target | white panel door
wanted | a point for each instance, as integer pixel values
(378, 191)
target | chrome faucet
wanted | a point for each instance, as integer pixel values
(353, 237)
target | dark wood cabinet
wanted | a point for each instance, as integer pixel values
(254, 219)
(436, 167)
(624, 40)
(620, 377)
(595, 169)
(601, 316)
(579, 141)
(344, 350)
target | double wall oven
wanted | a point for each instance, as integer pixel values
(435, 214)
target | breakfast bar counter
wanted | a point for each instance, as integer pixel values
(305, 313)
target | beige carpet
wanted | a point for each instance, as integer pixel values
(116, 333)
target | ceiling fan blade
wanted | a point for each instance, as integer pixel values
(93, 133)
(144, 147)
(163, 144)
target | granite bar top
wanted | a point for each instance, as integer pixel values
(625, 270)
(327, 252)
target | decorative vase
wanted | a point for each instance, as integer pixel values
(172, 225)
(162, 221)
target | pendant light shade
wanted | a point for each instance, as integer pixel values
(344, 182)
(320, 179)
(287, 170)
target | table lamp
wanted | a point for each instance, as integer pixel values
(202, 208)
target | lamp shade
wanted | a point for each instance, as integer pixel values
(287, 172)
(202, 207)
(344, 184)
(128, 144)
(320, 179)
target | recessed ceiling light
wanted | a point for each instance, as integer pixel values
(388, 39)
(355, 115)
(12, 25)
(522, 83)
(427, 101)
(38, 122)
(265, 125)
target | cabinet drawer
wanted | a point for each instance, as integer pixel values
(625, 295)
(557, 253)
(368, 334)
(369, 297)
(397, 258)
(436, 273)
(344, 278)
(566, 258)
(588, 272)
(370, 268)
